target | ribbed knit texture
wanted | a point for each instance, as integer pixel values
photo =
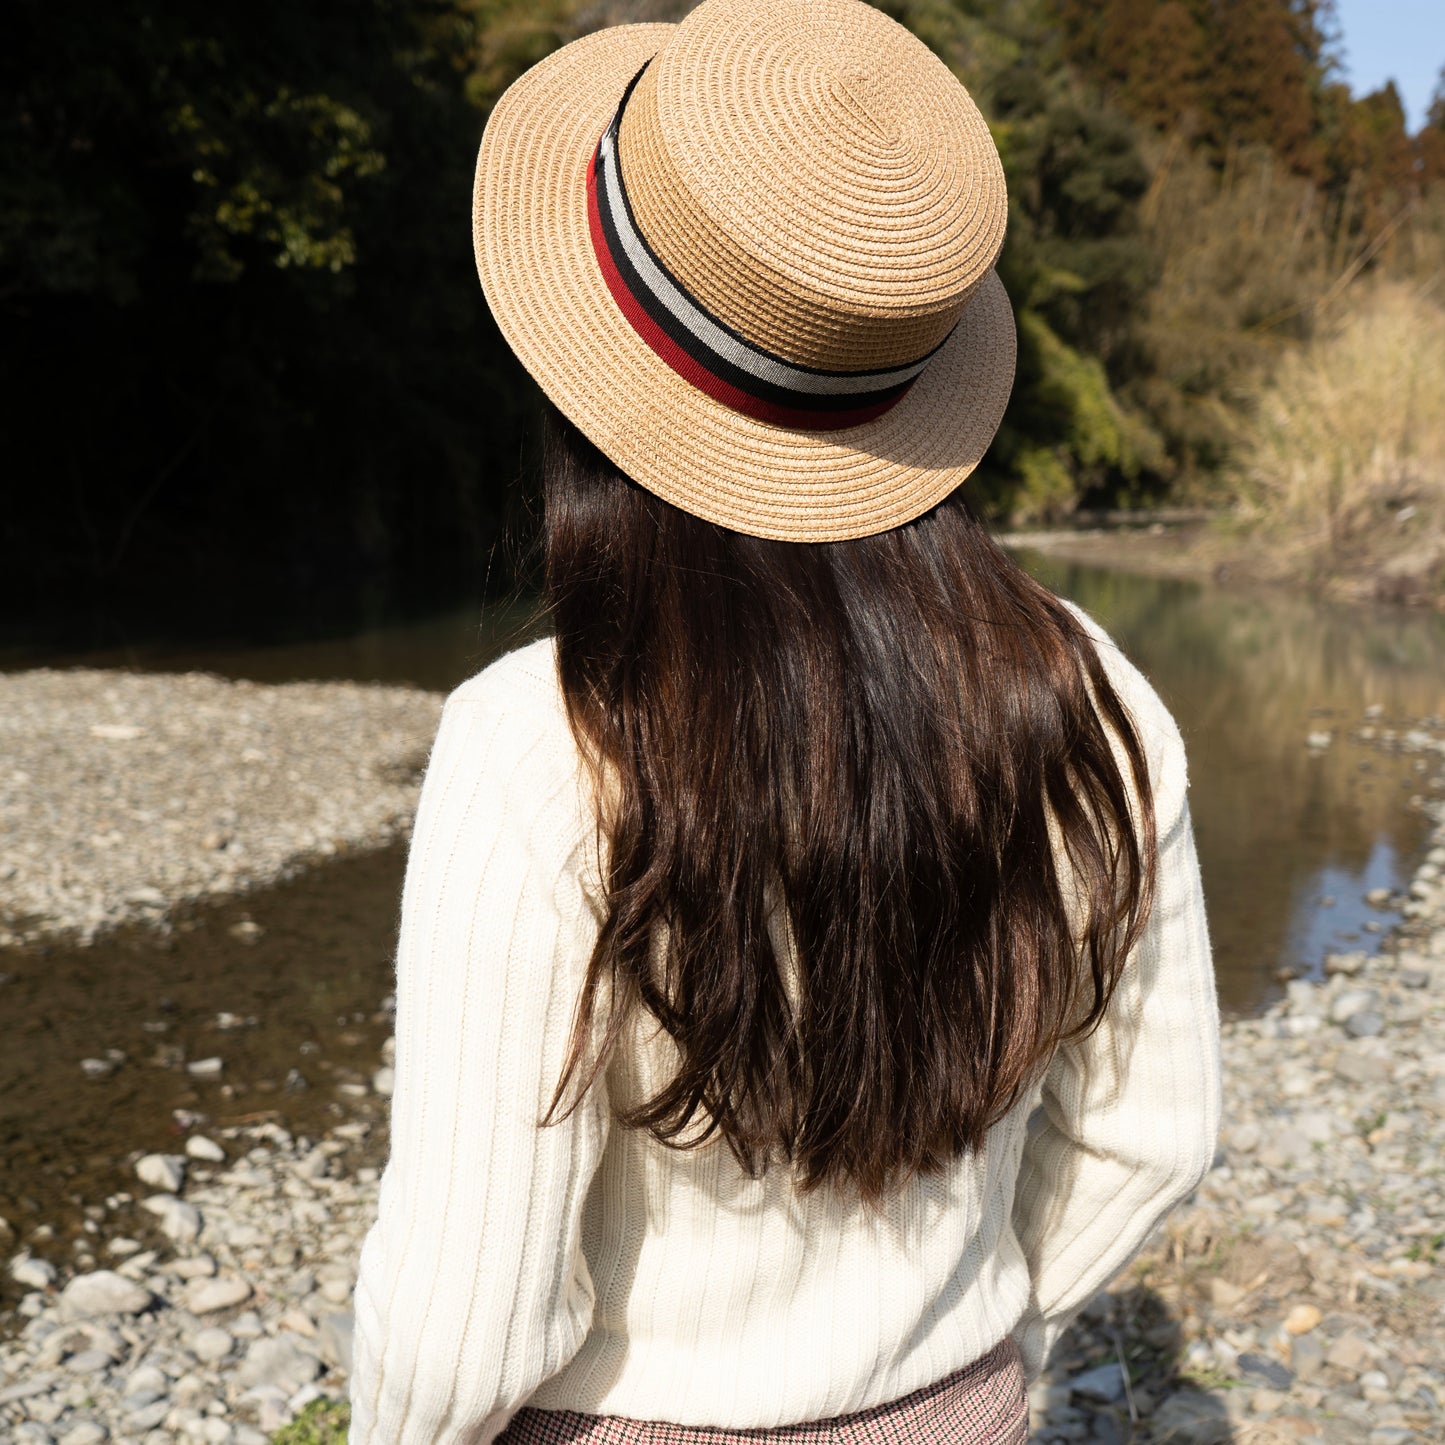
(585, 1267)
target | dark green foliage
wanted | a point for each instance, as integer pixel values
(250, 375)
(248, 365)
(322, 1422)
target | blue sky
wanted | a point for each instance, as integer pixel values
(1399, 40)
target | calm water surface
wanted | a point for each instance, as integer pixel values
(1280, 826)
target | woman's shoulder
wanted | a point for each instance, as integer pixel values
(522, 678)
(512, 715)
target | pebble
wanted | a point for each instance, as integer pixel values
(32, 1273)
(107, 754)
(86, 1433)
(166, 1172)
(206, 1296)
(102, 1293)
(1104, 1384)
(199, 1147)
(1352, 1001)
(179, 1220)
(1303, 1269)
(212, 1345)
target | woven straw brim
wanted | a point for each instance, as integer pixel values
(543, 282)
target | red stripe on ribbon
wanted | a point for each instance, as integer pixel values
(693, 371)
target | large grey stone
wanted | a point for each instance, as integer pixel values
(278, 1361)
(1192, 1418)
(1105, 1384)
(334, 1334)
(102, 1293)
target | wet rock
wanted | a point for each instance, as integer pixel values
(383, 1081)
(178, 1220)
(166, 1172)
(1346, 964)
(97, 1068)
(199, 1147)
(32, 1273)
(211, 1068)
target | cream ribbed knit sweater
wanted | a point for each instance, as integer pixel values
(586, 1267)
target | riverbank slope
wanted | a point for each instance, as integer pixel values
(1406, 569)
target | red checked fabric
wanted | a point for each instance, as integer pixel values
(983, 1404)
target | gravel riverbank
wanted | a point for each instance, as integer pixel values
(1296, 1298)
(123, 794)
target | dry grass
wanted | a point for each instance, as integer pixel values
(1343, 457)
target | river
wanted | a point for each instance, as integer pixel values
(1290, 837)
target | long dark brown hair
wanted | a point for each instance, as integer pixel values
(873, 734)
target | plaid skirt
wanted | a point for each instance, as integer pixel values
(984, 1403)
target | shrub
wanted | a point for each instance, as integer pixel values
(1345, 449)
(322, 1422)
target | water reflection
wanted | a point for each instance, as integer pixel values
(1280, 826)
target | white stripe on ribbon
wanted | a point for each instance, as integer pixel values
(730, 348)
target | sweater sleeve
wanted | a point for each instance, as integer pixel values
(473, 1287)
(1129, 1116)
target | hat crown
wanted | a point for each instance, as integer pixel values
(816, 178)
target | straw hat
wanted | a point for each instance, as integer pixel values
(752, 257)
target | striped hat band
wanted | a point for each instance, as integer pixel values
(702, 348)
